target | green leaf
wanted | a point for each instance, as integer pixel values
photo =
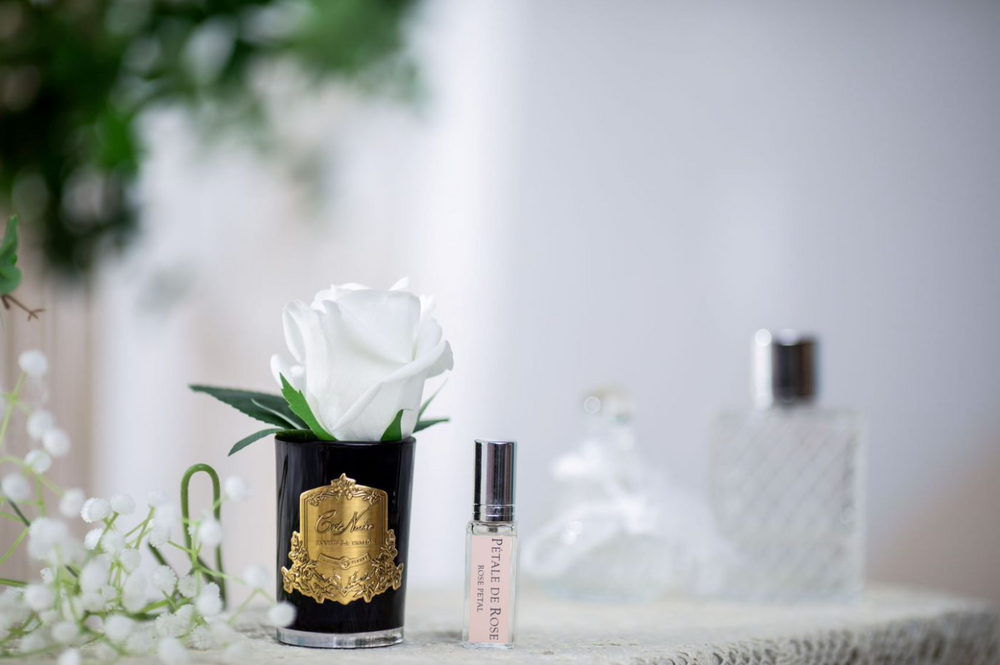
(424, 424)
(265, 407)
(10, 274)
(281, 411)
(430, 399)
(297, 402)
(394, 432)
(246, 441)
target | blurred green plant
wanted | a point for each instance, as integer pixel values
(76, 75)
(10, 273)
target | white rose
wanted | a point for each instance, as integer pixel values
(360, 356)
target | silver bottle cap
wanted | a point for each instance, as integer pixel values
(495, 478)
(784, 368)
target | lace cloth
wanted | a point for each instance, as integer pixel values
(887, 627)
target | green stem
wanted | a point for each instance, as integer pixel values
(216, 509)
(14, 583)
(141, 525)
(55, 489)
(158, 556)
(20, 515)
(155, 606)
(242, 607)
(18, 541)
(11, 400)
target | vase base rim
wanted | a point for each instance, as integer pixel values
(374, 638)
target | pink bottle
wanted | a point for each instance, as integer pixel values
(491, 550)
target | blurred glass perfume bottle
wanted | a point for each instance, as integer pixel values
(617, 528)
(787, 483)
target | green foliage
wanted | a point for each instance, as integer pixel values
(256, 436)
(291, 416)
(265, 407)
(394, 432)
(10, 274)
(424, 424)
(297, 402)
(78, 76)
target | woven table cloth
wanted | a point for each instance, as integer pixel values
(887, 626)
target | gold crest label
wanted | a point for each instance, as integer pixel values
(344, 549)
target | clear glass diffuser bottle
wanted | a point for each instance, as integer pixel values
(787, 483)
(491, 550)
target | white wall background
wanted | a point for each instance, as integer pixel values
(602, 192)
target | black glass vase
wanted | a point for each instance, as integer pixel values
(343, 535)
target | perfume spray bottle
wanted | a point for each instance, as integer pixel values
(787, 483)
(491, 550)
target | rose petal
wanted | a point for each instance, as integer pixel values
(384, 322)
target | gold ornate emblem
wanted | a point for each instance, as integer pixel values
(344, 549)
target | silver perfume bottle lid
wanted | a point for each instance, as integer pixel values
(784, 368)
(496, 463)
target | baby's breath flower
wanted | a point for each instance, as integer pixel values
(49, 617)
(159, 534)
(210, 532)
(171, 625)
(70, 657)
(166, 515)
(256, 577)
(130, 559)
(95, 509)
(94, 624)
(281, 614)
(188, 586)
(92, 601)
(38, 461)
(94, 575)
(133, 602)
(13, 609)
(39, 422)
(45, 538)
(39, 597)
(33, 363)
(109, 592)
(117, 628)
(15, 487)
(33, 641)
(113, 542)
(201, 639)
(56, 442)
(238, 489)
(65, 632)
(208, 605)
(134, 591)
(122, 504)
(139, 642)
(71, 503)
(164, 579)
(93, 537)
(172, 652)
(157, 498)
(47, 575)
(211, 589)
(185, 613)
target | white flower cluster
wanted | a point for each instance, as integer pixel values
(98, 591)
